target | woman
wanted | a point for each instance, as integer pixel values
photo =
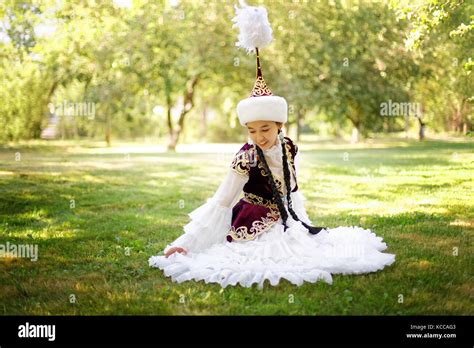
(252, 240)
(267, 233)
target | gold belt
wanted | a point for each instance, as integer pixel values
(258, 200)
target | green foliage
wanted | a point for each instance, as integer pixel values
(441, 37)
(157, 69)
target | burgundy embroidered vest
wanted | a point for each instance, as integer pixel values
(256, 212)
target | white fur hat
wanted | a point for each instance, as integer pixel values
(265, 108)
(255, 33)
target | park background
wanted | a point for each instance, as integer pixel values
(118, 118)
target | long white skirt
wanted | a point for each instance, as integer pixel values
(294, 254)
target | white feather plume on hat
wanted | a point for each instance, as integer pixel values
(254, 27)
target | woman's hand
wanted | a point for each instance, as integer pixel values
(174, 250)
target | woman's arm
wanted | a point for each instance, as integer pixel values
(210, 222)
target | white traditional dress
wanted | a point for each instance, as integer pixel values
(222, 249)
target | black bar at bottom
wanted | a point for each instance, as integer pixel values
(410, 330)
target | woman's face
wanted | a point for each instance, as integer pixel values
(263, 133)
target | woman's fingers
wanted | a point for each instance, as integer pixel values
(175, 249)
(181, 250)
(170, 251)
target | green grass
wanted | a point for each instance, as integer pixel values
(417, 196)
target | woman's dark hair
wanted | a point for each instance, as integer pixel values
(276, 193)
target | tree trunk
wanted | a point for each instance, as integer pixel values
(422, 132)
(188, 104)
(353, 116)
(406, 126)
(422, 129)
(298, 124)
(203, 123)
(173, 141)
(355, 135)
(75, 133)
(337, 131)
(107, 131)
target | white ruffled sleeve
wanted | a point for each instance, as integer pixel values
(211, 222)
(298, 198)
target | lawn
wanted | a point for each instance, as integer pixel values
(97, 214)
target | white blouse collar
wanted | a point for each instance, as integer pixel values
(276, 148)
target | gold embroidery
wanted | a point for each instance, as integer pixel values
(252, 156)
(259, 200)
(258, 227)
(243, 161)
(288, 151)
(262, 170)
(277, 178)
(240, 163)
(260, 88)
